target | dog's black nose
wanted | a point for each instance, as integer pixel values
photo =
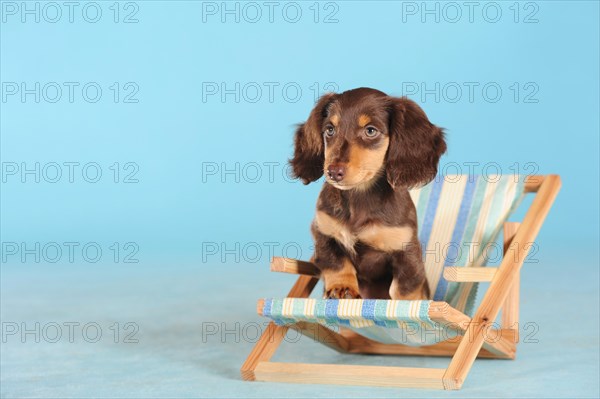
(336, 172)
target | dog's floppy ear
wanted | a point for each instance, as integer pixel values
(309, 151)
(416, 145)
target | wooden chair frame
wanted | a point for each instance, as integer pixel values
(503, 293)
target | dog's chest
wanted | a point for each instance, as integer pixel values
(374, 234)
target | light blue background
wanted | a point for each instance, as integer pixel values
(176, 215)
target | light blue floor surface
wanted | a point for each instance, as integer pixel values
(558, 355)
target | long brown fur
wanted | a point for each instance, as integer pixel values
(372, 148)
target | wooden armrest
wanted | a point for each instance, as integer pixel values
(260, 305)
(469, 274)
(533, 183)
(457, 274)
(443, 313)
(294, 266)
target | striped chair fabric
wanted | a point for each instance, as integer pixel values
(459, 218)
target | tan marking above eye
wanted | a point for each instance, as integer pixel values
(364, 120)
(332, 227)
(335, 119)
(386, 238)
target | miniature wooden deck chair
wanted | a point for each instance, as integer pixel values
(459, 220)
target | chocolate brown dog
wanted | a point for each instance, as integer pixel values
(372, 148)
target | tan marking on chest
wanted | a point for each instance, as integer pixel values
(386, 238)
(332, 227)
(382, 238)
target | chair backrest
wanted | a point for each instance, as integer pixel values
(459, 219)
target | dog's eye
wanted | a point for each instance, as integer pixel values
(371, 132)
(329, 131)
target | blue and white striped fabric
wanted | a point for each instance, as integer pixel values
(459, 218)
(387, 321)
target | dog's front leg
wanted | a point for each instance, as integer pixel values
(409, 281)
(337, 270)
(341, 283)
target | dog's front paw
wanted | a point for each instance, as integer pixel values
(341, 292)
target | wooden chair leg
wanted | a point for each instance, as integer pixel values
(274, 334)
(499, 289)
(510, 307)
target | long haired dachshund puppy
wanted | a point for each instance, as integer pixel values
(372, 148)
